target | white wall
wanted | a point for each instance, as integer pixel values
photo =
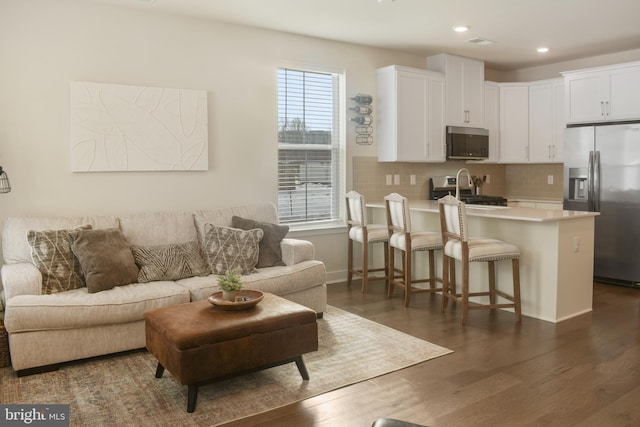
(46, 44)
(553, 70)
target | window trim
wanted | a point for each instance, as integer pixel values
(340, 149)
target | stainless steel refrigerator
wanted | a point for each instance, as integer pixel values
(602, 174)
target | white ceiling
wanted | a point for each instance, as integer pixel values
(572, 29)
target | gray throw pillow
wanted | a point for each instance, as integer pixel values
(51, 254)
(228, 249)
(105, 258)
(169, 262)
(270, 251)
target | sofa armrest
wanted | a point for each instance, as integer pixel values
(295, 251)
(21, 279)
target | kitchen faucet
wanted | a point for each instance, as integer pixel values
(458, 181)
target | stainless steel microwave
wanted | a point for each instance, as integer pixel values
(467, 143)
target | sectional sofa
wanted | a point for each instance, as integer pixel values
(49, 323)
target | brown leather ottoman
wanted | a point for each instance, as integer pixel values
(199, 343)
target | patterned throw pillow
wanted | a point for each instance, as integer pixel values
(169, 262)
(270, 251)
(51, 253)
(227, 248)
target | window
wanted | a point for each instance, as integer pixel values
(309, 141)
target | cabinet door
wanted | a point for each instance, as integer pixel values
(624, 94)
(559, 122)
(514, 124)
(492, 120)
(435, 119)
(412, 117)
(464, 100)
(585, 96)
(541, 131)
(455, 102)
(473, 90)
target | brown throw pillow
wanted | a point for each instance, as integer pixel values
(51, 254)
(270, 251)
(169, 262)
(228, 249)
(105, 257)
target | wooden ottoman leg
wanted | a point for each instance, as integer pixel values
(302, 368)
(192, 397)
(159, 370)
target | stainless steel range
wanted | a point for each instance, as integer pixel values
(440, 186)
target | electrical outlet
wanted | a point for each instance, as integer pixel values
(396, 179)
(576, 244)
(550, 179)
(487, 179)
(412, 179)
(389, 180)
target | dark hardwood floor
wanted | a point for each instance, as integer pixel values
(584, 371)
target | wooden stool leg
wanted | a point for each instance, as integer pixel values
(392, 271)
(387, 271)
(407, 277)
(365, 264)
(492, 282)
(349, 261)
(465, 291)
(452, 276)
(445, 281)
(192, 396)
(515, 265)
(432, 274)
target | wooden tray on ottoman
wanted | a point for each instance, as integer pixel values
(200, 343)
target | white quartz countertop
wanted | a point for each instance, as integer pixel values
(499, 212)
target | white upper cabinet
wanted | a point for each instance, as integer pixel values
(492, 119)
(464, 99)
(546, 121)
(603, 94)
(410, 115)
(514, 122)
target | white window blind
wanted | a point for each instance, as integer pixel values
(308, 146)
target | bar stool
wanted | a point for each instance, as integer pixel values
(402, 238)
(360, 231)
(458, 246)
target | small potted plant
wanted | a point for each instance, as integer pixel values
(230, 283)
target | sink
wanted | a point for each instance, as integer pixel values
(487, 207)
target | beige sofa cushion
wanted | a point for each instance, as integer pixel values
(79, 309)
(15, 247)
(276, 280)
(158, 228)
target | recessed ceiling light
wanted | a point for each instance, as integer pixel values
(542, 49)
(460, 28)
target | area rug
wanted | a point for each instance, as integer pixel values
(121, 389)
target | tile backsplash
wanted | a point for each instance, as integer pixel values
(532, 181)
(514, 181)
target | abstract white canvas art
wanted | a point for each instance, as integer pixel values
(136, 128)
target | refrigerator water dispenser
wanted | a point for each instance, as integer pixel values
(578, 184)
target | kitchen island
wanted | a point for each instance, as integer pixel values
(556, 262)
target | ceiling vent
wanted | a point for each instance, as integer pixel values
(482, 42)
